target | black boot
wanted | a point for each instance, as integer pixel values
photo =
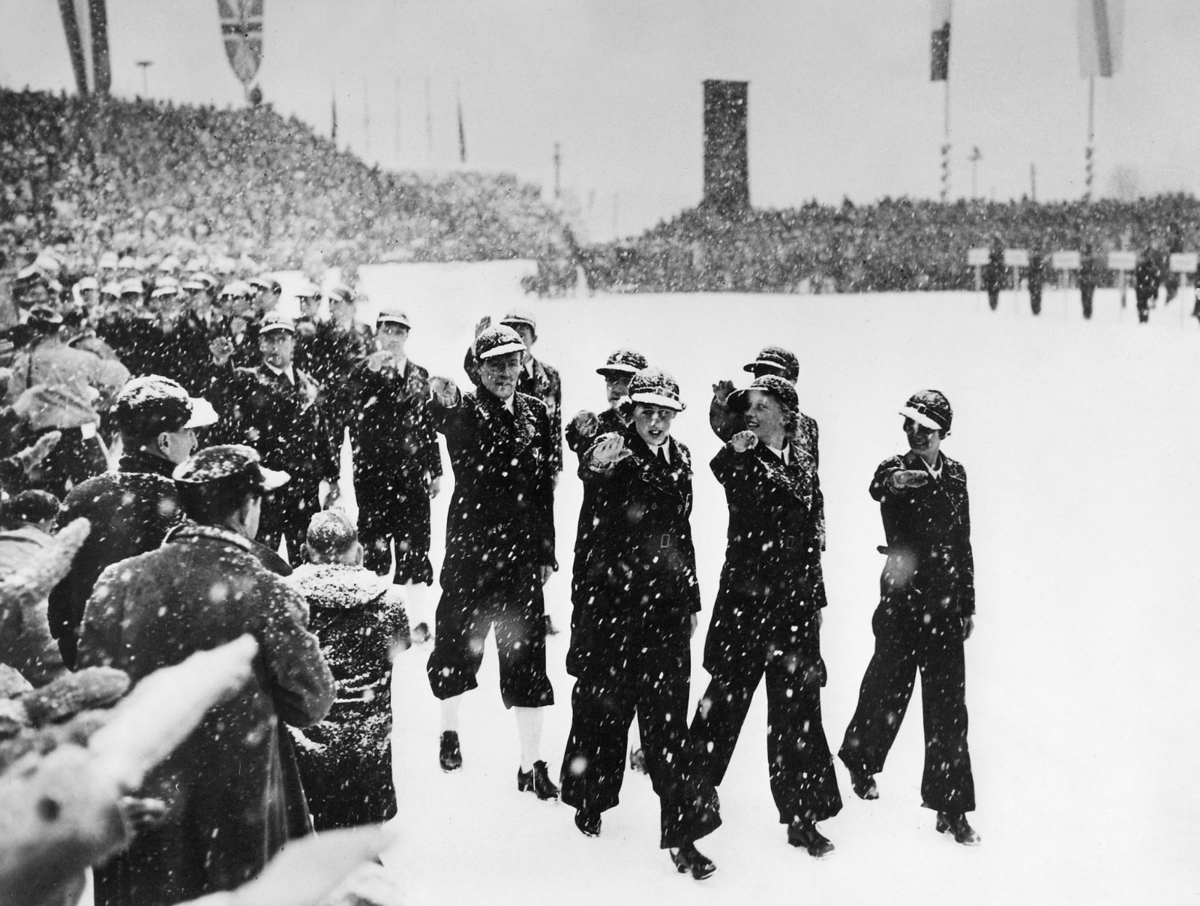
(588, 822)
(537, 781)
(689, 859)
(450, 755)
(956, 823)
(863, 785)
(804, 834)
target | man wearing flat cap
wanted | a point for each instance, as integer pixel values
(130, 510)
(231, 793)
(499, 548)
(925, 614)
(397, 462)
(276, 408)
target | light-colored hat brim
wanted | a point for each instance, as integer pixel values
(920, 418)
(272, 478)
(203, 414)
(505, 349)
(655, 399)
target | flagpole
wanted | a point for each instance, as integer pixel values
(1091, 140)
(946, 146)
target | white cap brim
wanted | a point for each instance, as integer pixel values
(920, 418)
(203, 414)
(273, 479)
(654, 399)
(502, 350)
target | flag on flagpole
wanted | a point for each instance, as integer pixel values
(242, 28)
(333, 117)
(1101, 29)
(939, 70)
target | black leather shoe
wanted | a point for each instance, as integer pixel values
(804, 834)
(587, 822)
(537, 781)
(450, 755)
(863, 785)
(956, 823)
(689, 859)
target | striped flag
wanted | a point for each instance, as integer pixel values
(939, 70)
(1101, 28)
(333, 118)
(462, 134)
(242, 26)
(86, 26)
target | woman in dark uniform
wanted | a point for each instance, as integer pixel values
(767, 617)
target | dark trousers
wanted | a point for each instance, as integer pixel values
(653, 681)
(1085, 297)
(904, 644)
(1143, 305)
(803, 782)
(286, 513)
(516, 609)
(390, 516)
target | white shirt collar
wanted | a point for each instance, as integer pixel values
(289, 373)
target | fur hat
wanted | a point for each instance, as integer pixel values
(930, 409)
(623, 361)
(654, 387)
(229, 461)
(782, 390)
(775, 360)
(499, 340)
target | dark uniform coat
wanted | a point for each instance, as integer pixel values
(499, 534)
(286, 424)
(765, 620)
(396, 455)
(226, 790)
(631, 641)
(926, 591)
(346, 759)
(131, 512)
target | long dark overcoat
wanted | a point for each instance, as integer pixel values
(395, 452)
(227, 793)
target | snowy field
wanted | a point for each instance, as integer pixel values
(1081, 442)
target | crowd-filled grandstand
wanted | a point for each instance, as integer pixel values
(892, 245)
(151, 178)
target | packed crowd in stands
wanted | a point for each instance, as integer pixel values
(894, 245)
(151, 178)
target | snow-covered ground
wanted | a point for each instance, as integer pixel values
(1081, 441)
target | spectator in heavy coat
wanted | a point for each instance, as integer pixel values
(499, 549)
(226, 792)
(631, 645)
(925, 613)
(346, 760)
(767, 616)
(76, 388)
(130, 510)
(582, 432)
(276, 409)
(397, 462)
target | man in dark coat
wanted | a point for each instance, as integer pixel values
(276, 409)
(995, 273)
(1147, 278)
(334, 348)
(925, 613)
(499, 549)
(397, 462)
(767, 616)
(1035, 278)
(131, 510)
(631, 644)
(227, 795)
(1089, 278)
